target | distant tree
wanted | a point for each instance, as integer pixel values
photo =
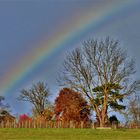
(70, 105)
(5, 112)
(3, 106)
(100, 64)
(134, 110)
(37, 96)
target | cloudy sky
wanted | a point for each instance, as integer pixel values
(35, 36)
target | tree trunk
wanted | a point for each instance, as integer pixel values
(102, 124)
(101, 118)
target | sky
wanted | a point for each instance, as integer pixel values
(36, 35)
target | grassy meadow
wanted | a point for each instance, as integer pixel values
(68, 134)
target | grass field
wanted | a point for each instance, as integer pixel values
(68, 134)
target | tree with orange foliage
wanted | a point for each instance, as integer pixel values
(70, 105)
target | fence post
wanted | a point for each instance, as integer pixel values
(92, 125)
(14, 123)
(8, 124)
(34, 124)
(40, 124)
(59, 124)
(82, 124)
(2, 124)
(71, 124)
(29, 124)
(22, 124)
(26, 124)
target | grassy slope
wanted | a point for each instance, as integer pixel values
(68, 134)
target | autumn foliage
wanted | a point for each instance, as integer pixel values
(24, 117)
(70, 105)
(46, 115)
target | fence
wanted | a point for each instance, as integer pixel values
(46, 124)
(58, 124)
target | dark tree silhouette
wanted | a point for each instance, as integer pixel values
(113, 119)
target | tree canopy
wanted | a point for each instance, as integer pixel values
(70, 105)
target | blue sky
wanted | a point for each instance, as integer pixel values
(25, 24)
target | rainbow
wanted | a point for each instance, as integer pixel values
(91, 20)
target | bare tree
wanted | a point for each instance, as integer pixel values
(134, 109)
(37, 96)
(103, 66)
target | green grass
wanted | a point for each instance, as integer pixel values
(68, 134)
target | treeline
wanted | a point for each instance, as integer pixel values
(97, 77)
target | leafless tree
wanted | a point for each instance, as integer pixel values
(102, 72)
(37, 96)
(134, 109)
